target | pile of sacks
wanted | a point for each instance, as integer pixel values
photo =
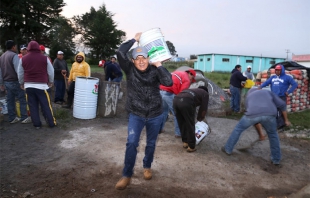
(300, 98)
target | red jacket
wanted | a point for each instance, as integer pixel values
(180, 80)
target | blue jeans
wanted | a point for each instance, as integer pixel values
(118, 79)
(135, 126)
(60, 90)
(167, 98)
(235, 98)
(270, 125)
(14, 91)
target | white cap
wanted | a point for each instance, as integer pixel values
(60, 52)
(249, 66)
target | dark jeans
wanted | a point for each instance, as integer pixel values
(71, 93)
(280, 118)
(60, 89)
(185, 110)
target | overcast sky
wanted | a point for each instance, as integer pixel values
(241, 27)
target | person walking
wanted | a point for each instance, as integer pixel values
(235, 88)
(61, 72)
(79, 68)
(181, 80)
(144, 105)
(36, 76)
(185, 104)
(9, 80)
(282, 85)
(261, 108)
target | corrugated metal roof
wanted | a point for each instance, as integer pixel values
(238, 55)
(305, 57)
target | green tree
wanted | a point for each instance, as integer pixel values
(98, 32)
(26, 20)
(62, 34)
(171, 48)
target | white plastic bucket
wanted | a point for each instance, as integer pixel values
(153, 41)
(201, 131)
(85, 97)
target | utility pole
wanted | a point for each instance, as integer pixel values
(287, 51)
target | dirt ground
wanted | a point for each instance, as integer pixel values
(84, 158)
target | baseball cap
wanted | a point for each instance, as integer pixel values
(60, 52)
(42, 48)
(278, 67)
(22, 47)
(193, 72)
(139, 51)
(249, 66)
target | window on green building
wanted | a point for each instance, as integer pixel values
(208, 59)
(272, 62)
(225, 59)
(249, 61)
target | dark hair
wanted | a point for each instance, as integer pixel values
(112, 57)
(237, 66)
(204, 88)
(9, 44)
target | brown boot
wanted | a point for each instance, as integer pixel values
(190, 150)
(122, 183)
(147, 174)
(185, 145)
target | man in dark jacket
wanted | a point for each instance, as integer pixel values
(9, 64)
(235, 88)
(61, 72)
(144, 105)
(185, 104)
(36, 76)
(112, 72)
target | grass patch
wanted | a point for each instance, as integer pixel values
(300, 119)
(63, 117)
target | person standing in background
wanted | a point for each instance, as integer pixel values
(112, 72)
(79, 68)
(235, 88)
(23, 51)
(60, 73)
(36, 76)
(282, 85)
(9, 67)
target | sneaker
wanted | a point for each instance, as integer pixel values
(27, 120)
(122, 183)
(17, 119)
(224, 151)
(190, 150)
(185, 145)
(147, 174)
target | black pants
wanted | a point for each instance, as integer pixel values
(280, 118)
(185, 111)
(71, 93)
(36, 97)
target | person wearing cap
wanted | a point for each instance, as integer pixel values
(79, 68)
(181, 80)
(144, 105)
(185, 104)
(36, 76)
(23, 51)
(9, 62)
(113, 60)
(282, 85)
(261, 108)
(61, 72)
(42, 49)
(235, 88)
(246, 85)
